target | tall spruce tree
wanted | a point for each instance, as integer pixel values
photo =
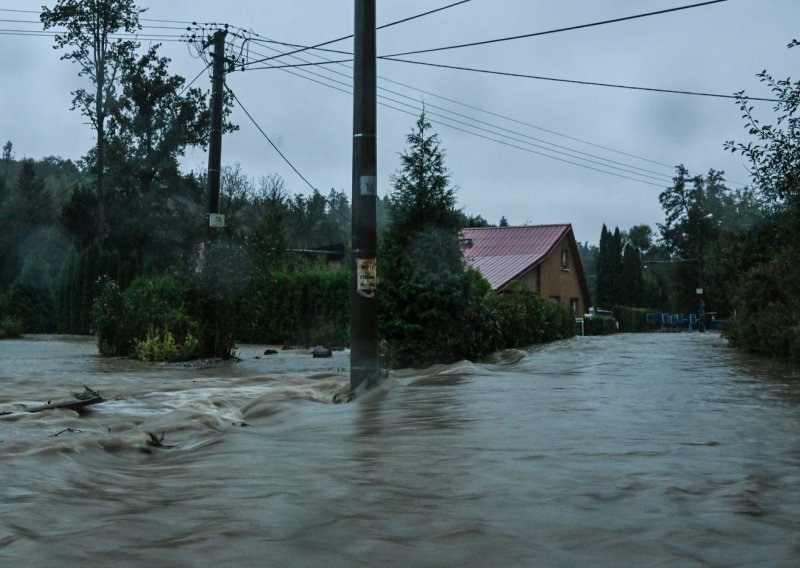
(423, 279)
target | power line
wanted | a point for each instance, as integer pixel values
(11, 21)
(301, 49)
(285, 159)
(663, 177)
(573, 81)
(428, 13)
(448, 122)
(203, 70)
(559, 30)
(511, 134)
(523, 123)
(139, 37)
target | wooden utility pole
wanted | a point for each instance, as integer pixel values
(364, 310)
(215, 142)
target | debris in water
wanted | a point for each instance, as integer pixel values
(86, 398)
(65, 430)
(157, 441)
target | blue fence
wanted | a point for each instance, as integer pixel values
(680, 322)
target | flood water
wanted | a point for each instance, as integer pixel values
(631, 450)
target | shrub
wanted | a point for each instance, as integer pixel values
(600, 325)
(10, 327)
(110, 323)
(767, 304)
(158, 347)
(156, 319)
(33, 306)
(524, 318)
(632, 320)
(559, 322)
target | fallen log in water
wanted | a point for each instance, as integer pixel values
(73, 404)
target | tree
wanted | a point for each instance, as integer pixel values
(8, 157)
(641, 237)
(503, 222)
(775, 154)
(589, 254)
(609, 264)
(693, 208)
(153, 120)
(766, 269)
(32, 204)
(90, 26)
(424, 283)
(632, 281)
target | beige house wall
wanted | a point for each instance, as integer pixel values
(550, 280)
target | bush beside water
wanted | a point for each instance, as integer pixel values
(10, 327)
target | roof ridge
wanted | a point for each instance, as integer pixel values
(516, 227)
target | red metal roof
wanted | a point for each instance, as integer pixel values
(502, 254)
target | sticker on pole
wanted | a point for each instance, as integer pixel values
(366, 276)
(369, 185)
(216, 220)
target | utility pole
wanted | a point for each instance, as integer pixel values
(364, 309)
(215, 142)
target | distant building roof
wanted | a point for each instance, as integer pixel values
(502, 254)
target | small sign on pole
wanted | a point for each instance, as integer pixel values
(216, 220)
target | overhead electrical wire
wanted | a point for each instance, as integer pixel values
(281, 154)
(384, 26)
(443, 117)
(574, 81)
(203, 70)
(452, 123)
(558, 30)
(328, 61)
(511, 134)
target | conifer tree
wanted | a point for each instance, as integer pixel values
(423, 283)
(632, 281)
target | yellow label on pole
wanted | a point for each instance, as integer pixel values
(366, 276)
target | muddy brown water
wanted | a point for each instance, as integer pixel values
(632, 450)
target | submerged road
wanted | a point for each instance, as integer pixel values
(630, 450)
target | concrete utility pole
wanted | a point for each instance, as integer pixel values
(364, 310)
(215, 142)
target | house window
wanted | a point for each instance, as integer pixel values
(564, 259)
(573, 303)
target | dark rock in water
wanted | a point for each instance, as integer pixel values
(320, 351)
(270, 352)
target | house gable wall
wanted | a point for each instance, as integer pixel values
(556, 281)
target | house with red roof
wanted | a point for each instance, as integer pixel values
(544, 257)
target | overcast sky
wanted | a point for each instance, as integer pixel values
(716, 49)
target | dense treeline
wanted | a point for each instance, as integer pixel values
(738, 246)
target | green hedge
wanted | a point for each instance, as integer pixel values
(632, 320)
(306, 305)
(600, 325)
